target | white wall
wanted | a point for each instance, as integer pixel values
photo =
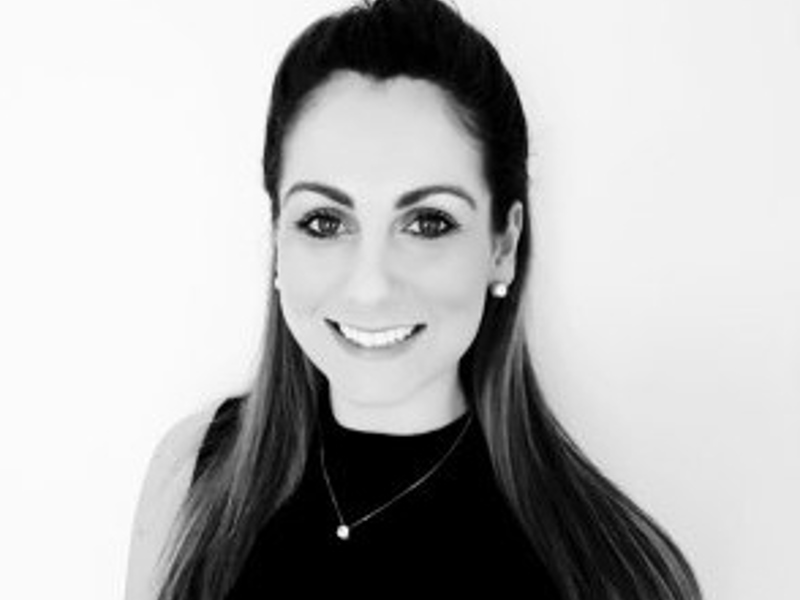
(666, 315)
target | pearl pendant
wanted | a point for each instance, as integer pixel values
(343, 532)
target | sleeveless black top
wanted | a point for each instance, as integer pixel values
(452, 535)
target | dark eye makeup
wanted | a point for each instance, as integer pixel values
(427, 223)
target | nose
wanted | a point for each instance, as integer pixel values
(369, 281)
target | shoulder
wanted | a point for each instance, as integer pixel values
(178, 447)
(166, 482)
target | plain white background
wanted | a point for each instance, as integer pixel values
(666, 299)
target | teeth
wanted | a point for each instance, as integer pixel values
(376, 340)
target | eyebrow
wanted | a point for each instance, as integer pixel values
(404, 201)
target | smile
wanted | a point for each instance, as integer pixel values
(373, 340)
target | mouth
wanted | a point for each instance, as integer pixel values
(383, 339)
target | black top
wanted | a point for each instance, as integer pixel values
(453, 534)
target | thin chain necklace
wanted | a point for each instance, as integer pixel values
(343, 529)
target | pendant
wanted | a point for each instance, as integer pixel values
(343, 532)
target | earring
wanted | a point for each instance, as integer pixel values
(277, 283)
(499, 289)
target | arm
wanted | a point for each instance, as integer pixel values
(165, 485)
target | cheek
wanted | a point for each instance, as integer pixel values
(457, 279)
(453, 292)
(307, 276)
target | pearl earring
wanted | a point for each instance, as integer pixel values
(499, 289)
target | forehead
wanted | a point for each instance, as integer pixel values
(361, 134)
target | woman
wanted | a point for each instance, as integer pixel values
(395, 439)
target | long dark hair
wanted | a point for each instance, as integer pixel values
(594, 540)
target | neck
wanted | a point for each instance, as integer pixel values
(426, 410)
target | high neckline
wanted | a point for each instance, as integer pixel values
(367, 468)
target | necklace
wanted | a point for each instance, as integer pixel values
(343, 529)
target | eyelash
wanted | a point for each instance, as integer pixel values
(304, 224)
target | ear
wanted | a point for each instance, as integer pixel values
(504, 246)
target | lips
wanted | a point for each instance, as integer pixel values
(385, 338)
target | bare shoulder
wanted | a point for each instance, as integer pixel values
(165, 485)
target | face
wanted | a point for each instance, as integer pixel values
(384, 250)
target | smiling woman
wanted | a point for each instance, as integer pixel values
(395, 434)
(413, 249)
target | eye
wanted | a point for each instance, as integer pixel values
(319, 224)
(428, 224)
(433, 224)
